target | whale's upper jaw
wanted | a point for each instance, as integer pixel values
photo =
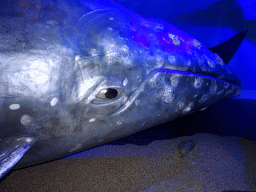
(150, 43)
(184, 53)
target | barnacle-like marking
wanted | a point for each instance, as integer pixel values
(26, 119)
(219, 59)
(198, 82)
(197, 44)
(175, 39)
(211, 63)
(174, 80)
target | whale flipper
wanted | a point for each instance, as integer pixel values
(11, 151)
(227, 49)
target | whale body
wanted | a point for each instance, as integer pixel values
(77, 74)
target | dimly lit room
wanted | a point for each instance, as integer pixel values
(127, 95)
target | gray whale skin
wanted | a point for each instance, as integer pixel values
(77, 74)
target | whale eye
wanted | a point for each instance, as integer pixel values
(109, 93)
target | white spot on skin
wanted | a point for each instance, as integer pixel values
(94, 52)
(146, 24)
(143, 124)
(159, 27)
(165, 40)
(171, 59)
(213, 88)
(159, 62)
(197, 44)
(100, 140)
(181, 104)
(203, 109)
(219, 59)
(198, 82)
(174, 80)
(226, 85)
(52, 23)
(77, 57)
(168, 96)
(76, 148)
(125, 49)
(204, 98)
(125, 99)
(14, 106)
(29, 140)
(211, 63)
(111, 18)
(133, 28)
(137, 102)
(54, 101)
(51, 62)
(176, 41)
(118, 122)
(26, 119)
(125, 82)
(171, 35)
(220, 92)
(91, 120)
(110, 29)
(188, 108)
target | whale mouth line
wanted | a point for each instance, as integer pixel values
(208, 76)
(133, 97)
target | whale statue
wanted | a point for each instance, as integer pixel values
(77, 74)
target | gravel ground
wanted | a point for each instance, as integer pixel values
(214, 164)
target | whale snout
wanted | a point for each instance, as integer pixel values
(176, 93)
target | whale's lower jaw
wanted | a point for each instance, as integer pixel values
(178, 92)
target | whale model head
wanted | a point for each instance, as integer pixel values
(74, 75)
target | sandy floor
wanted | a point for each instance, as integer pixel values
(214, 164)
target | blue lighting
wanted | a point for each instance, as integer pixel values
(211, 22)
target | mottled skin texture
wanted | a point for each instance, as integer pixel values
(59, 60)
